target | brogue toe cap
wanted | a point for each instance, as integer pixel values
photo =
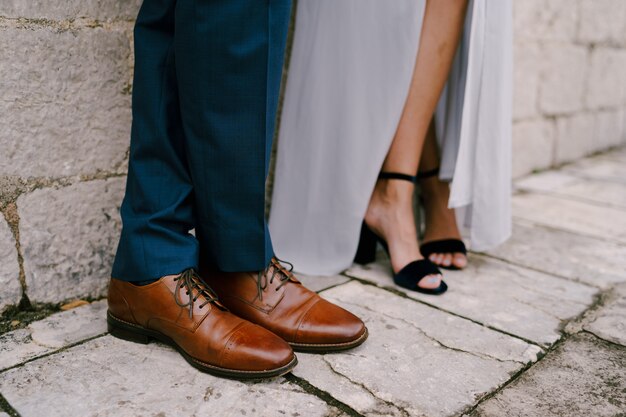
(254, 348)
(327, 323)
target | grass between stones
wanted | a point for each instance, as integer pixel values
(6, 407)
(18, 317)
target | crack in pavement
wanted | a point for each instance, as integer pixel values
(452, 313)
(52, 352)
(364, 387)
(480, 355)
(470, 409)
(321, 394)
(572, 231)
(537, 308)
(611, 342)
(543, 271)
(573, 197)
(551, 294)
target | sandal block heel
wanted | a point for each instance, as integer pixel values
(366, 252)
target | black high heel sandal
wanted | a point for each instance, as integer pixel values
(409, 276)
(444, 246)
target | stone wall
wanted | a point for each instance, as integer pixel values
(65, 80)
(570, 80)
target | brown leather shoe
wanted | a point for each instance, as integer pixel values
(276, 300)
(182, 311)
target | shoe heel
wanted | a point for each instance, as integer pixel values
(366, 252)
(126, 334)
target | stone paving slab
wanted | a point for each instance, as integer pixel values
(426, 356)
(584, 376)
(593, 261)
(600, 167)
(618, 155)
(609, 321)
(574, 216)
(111, 377)
(418, 361)
(567, 184)
(516, 300)
(52, 333)
(320, 283)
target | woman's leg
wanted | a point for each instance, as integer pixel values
(440, 220)
(390, 211)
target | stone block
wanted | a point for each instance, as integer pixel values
(108, 377)
(9, 268)
(574, 137)
(65, 106)
(583, 377)
(533, 145)
(609, 321)
(516, 300)
(545, 20)
(527, 69)
(562, 86)
(413, 348)
(602, 21)
(610, 129)
(573, 216)
(606, 83)
(69, 236)
(580, 258)
(70, 9)
(54, 332)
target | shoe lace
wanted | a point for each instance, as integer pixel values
(190, 280)
(277, 270)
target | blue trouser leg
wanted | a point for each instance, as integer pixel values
(205, 92)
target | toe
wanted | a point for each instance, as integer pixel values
(459, 260)
(430, 282)
(432, 257)
(447, 259)
(439, 259)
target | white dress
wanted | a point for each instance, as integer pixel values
(349, 75)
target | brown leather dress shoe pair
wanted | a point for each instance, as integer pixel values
(271, 314)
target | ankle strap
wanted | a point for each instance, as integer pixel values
(427, 174)
(396, 176)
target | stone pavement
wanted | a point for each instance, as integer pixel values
(536, 327)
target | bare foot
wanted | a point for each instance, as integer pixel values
(440, 221)
(390, 216)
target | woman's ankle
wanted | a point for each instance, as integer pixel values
(392, 192)
(434, 186)
(388, 195)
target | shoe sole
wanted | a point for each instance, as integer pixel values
(329, 347)
(135, 333)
